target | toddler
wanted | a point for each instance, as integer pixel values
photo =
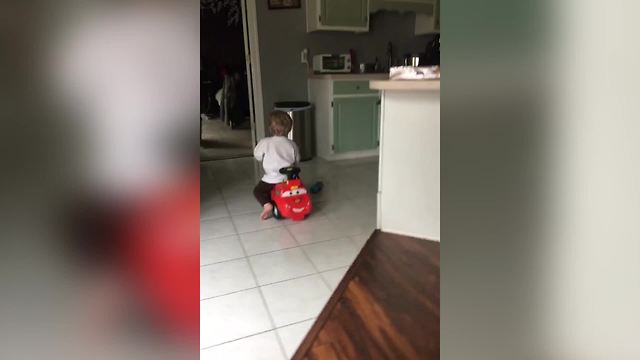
(275, 152)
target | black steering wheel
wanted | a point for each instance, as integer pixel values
(291, 172)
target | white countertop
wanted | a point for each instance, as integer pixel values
(351, 76)
(414, 85)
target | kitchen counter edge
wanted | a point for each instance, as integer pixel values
(415, 85)
(350, 76)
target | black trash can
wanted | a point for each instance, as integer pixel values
(303, 129)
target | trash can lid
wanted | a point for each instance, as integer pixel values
(292, 105)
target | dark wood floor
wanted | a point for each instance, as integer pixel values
(386, 307)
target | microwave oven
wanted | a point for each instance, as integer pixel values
(332, 63)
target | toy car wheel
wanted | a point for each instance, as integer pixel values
(276, 212)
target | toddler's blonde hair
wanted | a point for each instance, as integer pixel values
(280, 123)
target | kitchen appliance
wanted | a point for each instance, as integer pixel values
(432, 52)
(411, 60)
(354, 60)
(367, 68)
(332, 63)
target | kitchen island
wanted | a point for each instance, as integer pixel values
(409, 173)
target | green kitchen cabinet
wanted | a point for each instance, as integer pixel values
(428, 23)
(338, 15)
(346, 115)
(354, 13)
(417, 6)
(355, 124)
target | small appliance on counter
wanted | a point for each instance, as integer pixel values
(332, 63)
(354, 61)
(431, 55)
(366, 68)
(389, 55)
(411, 60)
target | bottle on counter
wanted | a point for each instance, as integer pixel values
(389, 56)
(432, 52)
(354, 61)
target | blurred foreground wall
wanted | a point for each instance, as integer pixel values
(99, 183)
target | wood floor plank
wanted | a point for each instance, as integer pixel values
(386, 307)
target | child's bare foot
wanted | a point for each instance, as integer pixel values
(266, 211)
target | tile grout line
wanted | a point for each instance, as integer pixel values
(258, 333)
(273, 251)
(255, 279)
(275, 282)
(219, 187)
(312, 264)
(230, 217)
(236, 230)
(264, 301)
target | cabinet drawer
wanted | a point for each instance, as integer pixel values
(352, 87)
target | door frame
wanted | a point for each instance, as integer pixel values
(252, 59)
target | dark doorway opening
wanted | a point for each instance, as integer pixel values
(225, 124)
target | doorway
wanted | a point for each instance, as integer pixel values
(226, 86)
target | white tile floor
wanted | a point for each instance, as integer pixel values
(263, 283)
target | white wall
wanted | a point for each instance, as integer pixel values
(409, 184)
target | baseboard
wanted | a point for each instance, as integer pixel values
(405, 233)
(351, 155)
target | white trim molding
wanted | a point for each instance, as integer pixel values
(250, 18)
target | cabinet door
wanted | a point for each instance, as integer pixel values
(428, 24)
(436, 16)
(417, 6)
(347, 13)
(355, 124)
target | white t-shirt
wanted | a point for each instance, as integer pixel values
(276, 152)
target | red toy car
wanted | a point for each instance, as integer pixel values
(290, 198)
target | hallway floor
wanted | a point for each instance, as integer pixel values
(220, 142)
(263, 283)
